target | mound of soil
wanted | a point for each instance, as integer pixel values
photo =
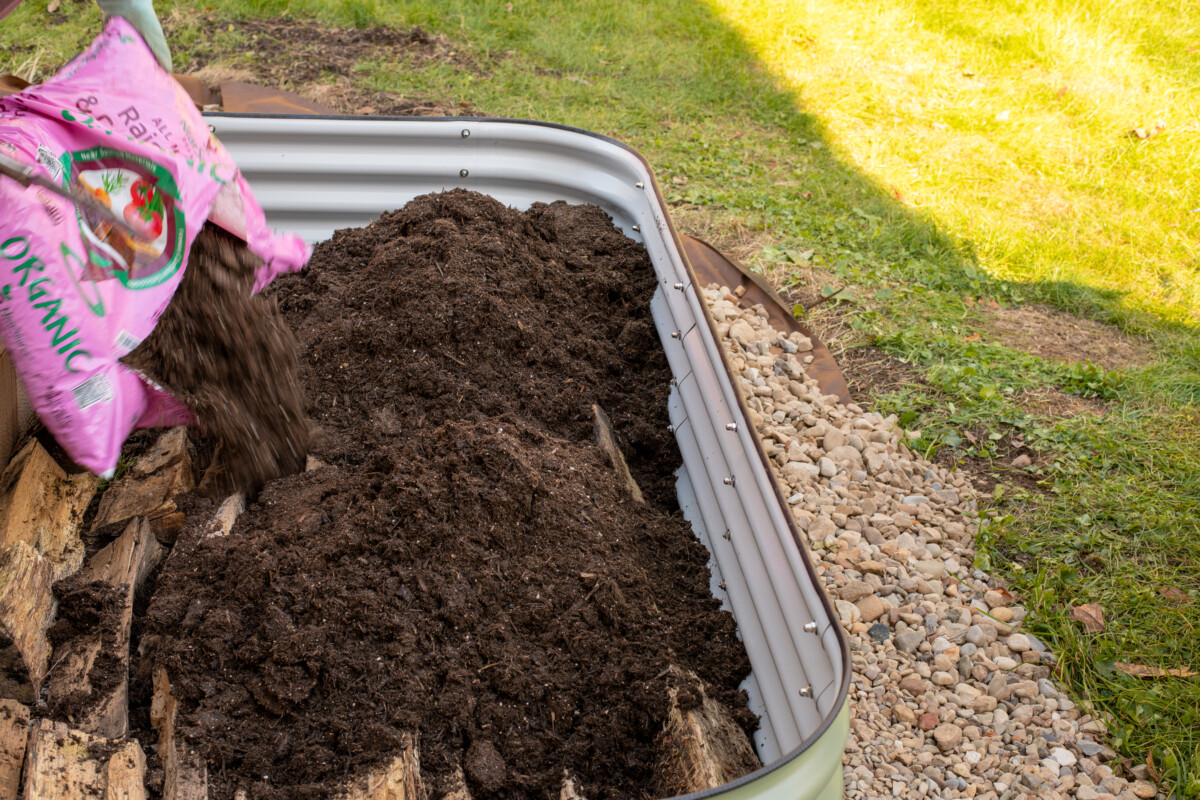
(467, 565)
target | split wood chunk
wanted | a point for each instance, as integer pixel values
(26, 611)
(90, 682)
(43, 507)
(570, 789)
(606, 438)
(400, 780)
(185, 775)
(456, 786)
(226, 517)
(146, 490)
(14, 736)
(64, 764)
(702, 746)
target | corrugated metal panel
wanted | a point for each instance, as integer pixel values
(314, 175)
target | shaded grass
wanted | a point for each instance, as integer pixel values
(931, 158)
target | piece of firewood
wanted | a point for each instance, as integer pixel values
(14, 736)
(89, 684)
(64, 764)
(145, 491)
(185, 775)
(570, 789)
(26, 611)
(701, 746)
(225, 518)
(399, 780)
(43, 507)
(456, 786)
(606, 438)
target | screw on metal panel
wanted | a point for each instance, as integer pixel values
(462, 173)
(640, 185)
(679, 286)
(465, 133)
(637, 227)
(806, 691)
(730, 481)
(212, 128)
(731, 426)
(676, 334)
(810, 627)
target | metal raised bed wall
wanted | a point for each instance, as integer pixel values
(314, 175)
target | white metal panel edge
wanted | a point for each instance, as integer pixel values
(313, 175)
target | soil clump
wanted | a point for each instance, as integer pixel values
(467, 566)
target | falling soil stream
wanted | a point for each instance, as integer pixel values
(467, 566)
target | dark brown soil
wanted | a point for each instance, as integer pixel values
(230, 356)
(86, 608)
(468, 566)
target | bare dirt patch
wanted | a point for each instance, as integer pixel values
(321, 63)
(1058, 336)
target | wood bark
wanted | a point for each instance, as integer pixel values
(570, 789)
(606, 438)
(14, 737)
(26, 611)
(61, 766)
(702, 746)
(225, 518)
(185, 775)
(146, 490)
(104, 710)
(43, 507)
(399, 780)
(456, 787)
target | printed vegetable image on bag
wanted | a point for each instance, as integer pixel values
(78, 292)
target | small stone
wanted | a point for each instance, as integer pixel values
(1063, 756)
(994, 598)
(847, 612)
(931, 568)
(833, 438)
(914, 685)
(743, 334)
(981, 635)
(827, 467)
(947, 737)
(903, 714)
(1088, 747)
(928, 721)
(1143, 789)
(855, 591)
(871, 608)
(879, 632)
(1002, 614)
(1017, 643)
(1021, 461)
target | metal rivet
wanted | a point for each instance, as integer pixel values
(679, 287)
(462, 173)
(212, 128)
(729, 481)
(676, 334)
(731, 426)
(640, 185)
(465, 133)
(810, 627)
(637, 227)
(806, 691)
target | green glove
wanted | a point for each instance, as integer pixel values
(140, 14)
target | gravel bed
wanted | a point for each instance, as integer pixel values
(949, 698)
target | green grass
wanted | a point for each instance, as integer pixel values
(934, 158)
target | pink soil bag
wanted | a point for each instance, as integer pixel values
(76, 294)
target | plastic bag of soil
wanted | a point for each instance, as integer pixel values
(76, 293)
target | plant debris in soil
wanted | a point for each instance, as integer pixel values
(467, 566)
(231, 358)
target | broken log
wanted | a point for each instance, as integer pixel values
(43, 507)
(223, 521)
(64, 764)
(14, 736)
(89, 685)
(185, 775)
(701, 746)
(399, 780)
(606, 438)
(146, 490)
(570, 789)
(26, 610)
